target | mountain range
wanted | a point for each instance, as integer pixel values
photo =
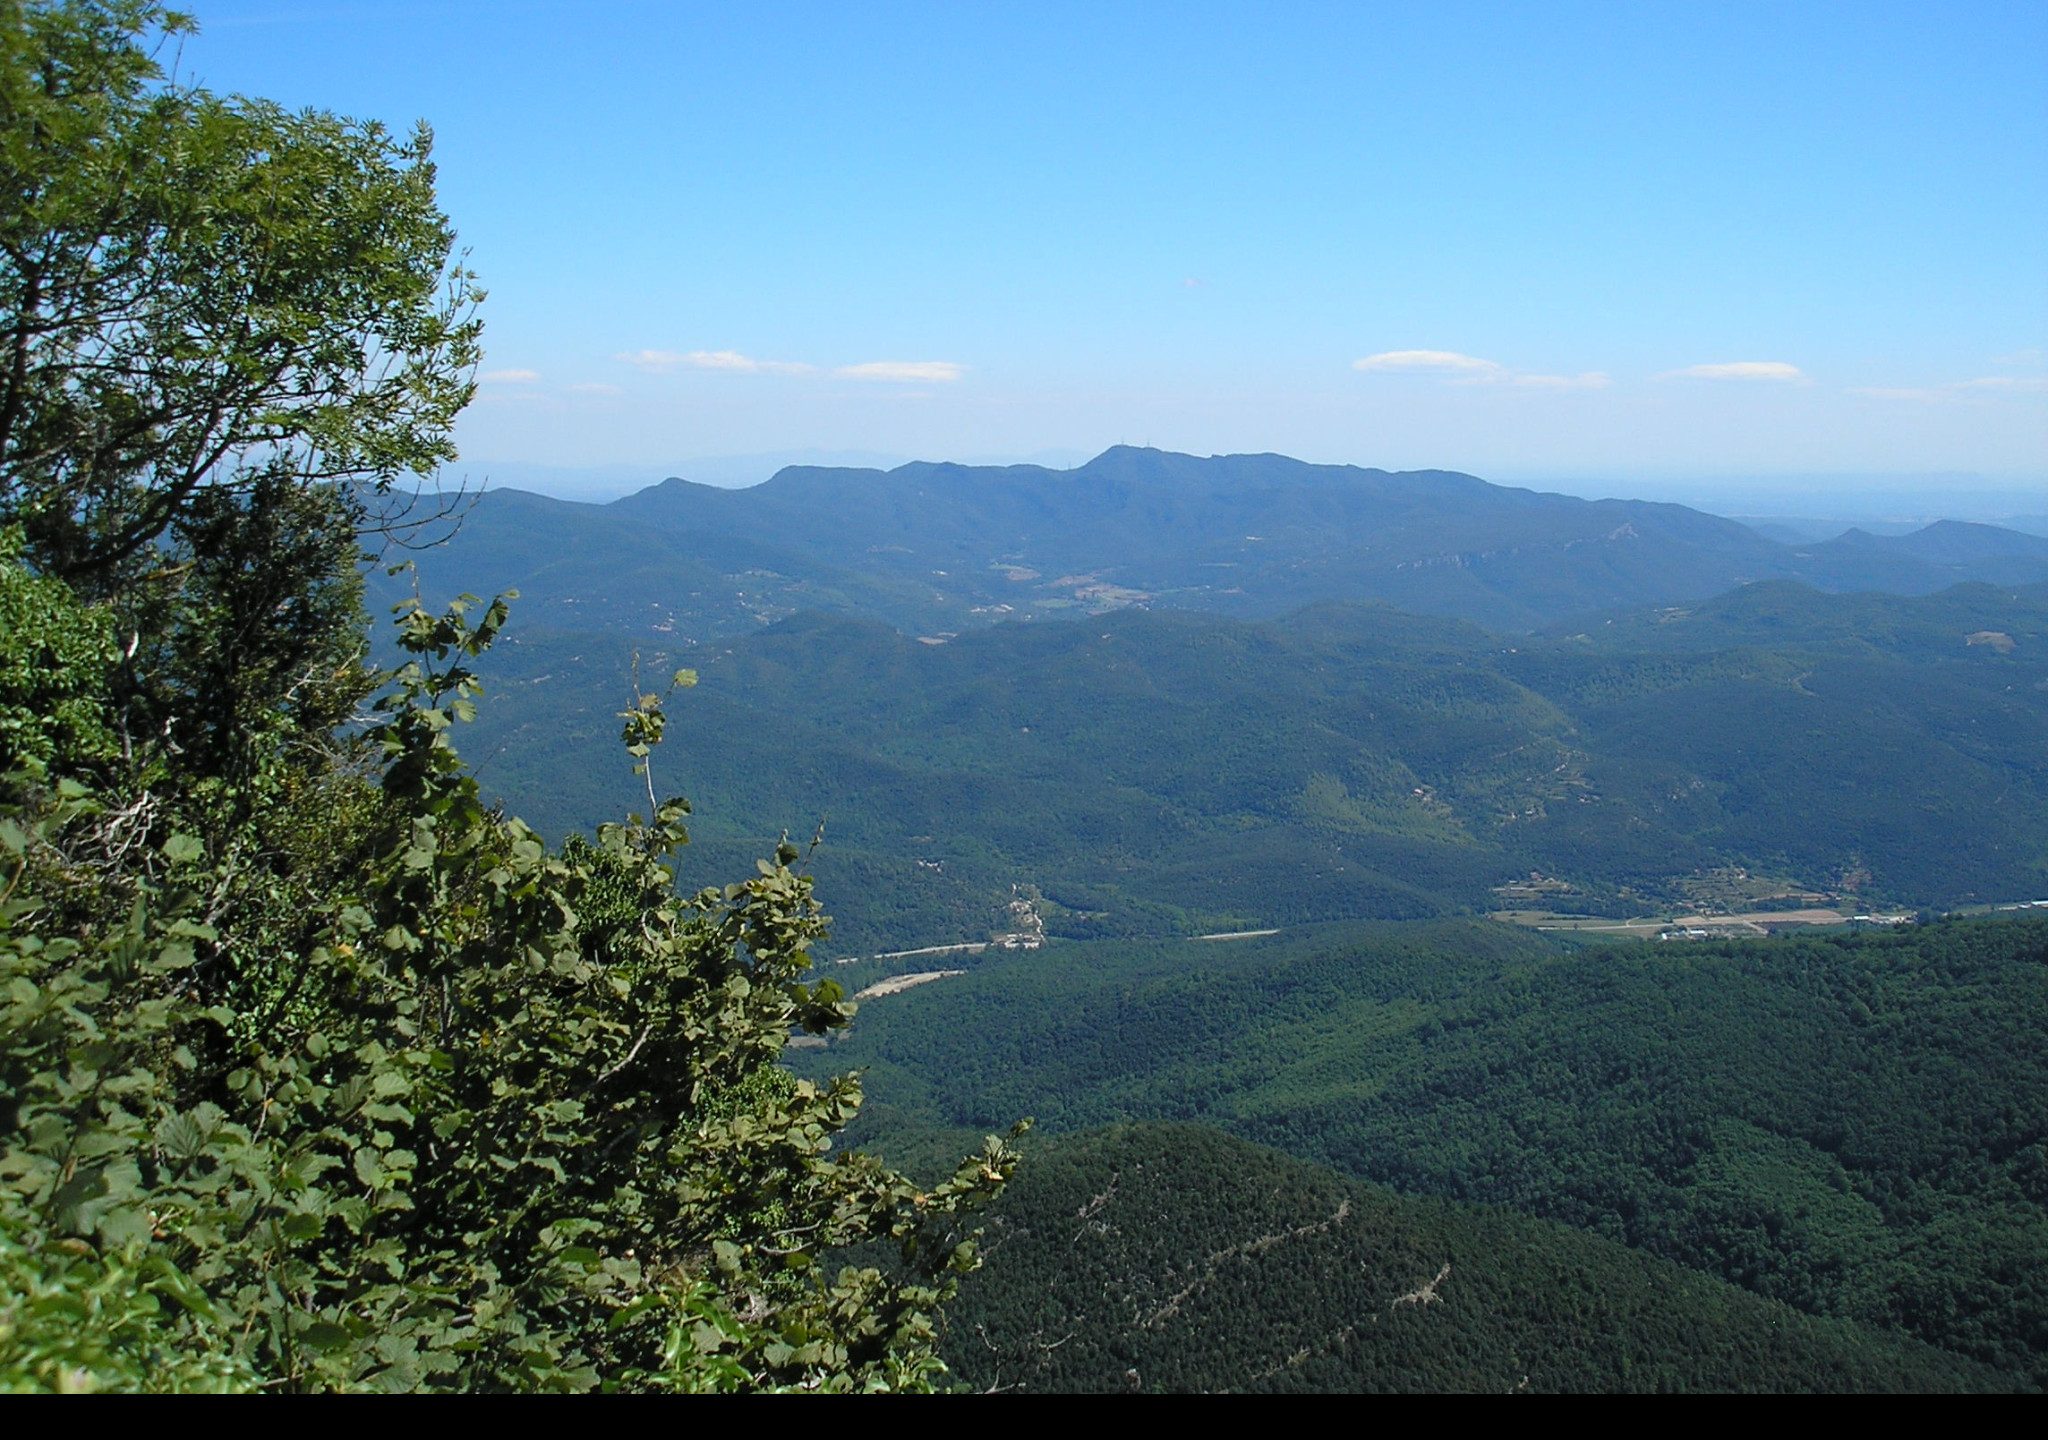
(1181, 802)
(937, 549)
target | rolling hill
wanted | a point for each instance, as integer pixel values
(1856, 1126)
(1091, 714)
(1159, 773)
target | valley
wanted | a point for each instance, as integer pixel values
(1169, 774)
(542, 853)
(1733, 925)
(1610, 910)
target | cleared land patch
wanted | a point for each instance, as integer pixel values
(897, 984)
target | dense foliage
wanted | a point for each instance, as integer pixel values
(1855, 1125)
(1164, 1257)
(511, 1121)
(316, 1072)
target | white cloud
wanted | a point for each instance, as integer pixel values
(661, 362)
(653, 361)
(902, 370)
(1776, 370)
(509, 377)
(2018, 357)
(1473, 370)
(1429, 361)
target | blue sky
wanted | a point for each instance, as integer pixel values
(1657, 244)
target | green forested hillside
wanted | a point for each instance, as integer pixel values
(1779, 613)
(1168, 1257)
(1160, 773)
(1856, 1125)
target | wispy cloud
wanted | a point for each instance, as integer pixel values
(732, 362)
(661, 362)
(1437, 362)
(902, 370)
(592, 387)
(509, 377)
(2018, 357)
(1771, 370)
(1473, 370)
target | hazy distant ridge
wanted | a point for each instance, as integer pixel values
(937, 548)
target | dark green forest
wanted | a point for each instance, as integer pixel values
(1162, 773)
(1163, 1257)
(1854, 1125)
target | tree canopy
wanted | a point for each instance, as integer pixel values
(201, 292)
(315, 1071)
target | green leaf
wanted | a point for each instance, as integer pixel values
(184, 849)
(326, 1336)
(183, 1137)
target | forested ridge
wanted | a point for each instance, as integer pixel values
(933, 549)
(1168, 1257)
(1853, 1124)
(1167, 773)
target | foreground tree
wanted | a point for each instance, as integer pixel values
(514, 1122)
(315, 1072)
(200, 294)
